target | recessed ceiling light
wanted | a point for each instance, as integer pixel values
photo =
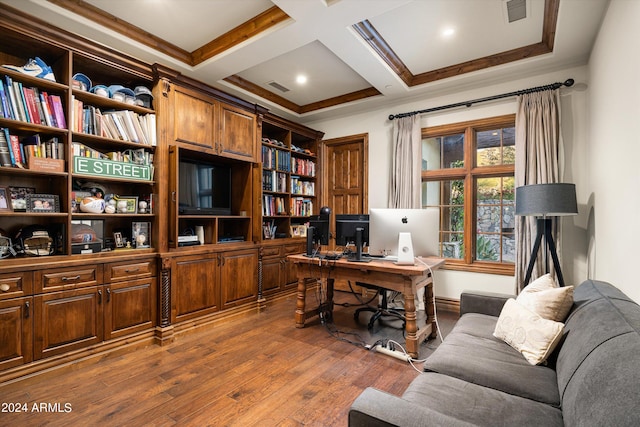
(448, 32)
(301, 79)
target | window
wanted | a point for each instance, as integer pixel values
(468, 173)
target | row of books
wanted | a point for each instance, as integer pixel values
(303, 166)
(15, 152)
(272, 158)
(274, 181)
(29, 104)
(299, 186)
(301, 206)
(138, 156)
(273, 205)
(124, 125)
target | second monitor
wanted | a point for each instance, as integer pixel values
(354, 229)
(386, 224)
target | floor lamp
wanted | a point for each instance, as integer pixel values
(546, 201)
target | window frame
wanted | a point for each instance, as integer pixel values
(469, 173)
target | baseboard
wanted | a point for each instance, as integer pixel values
(448, 304)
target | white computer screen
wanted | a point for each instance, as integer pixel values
(385, 224)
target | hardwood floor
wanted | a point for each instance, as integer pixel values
(255, 370)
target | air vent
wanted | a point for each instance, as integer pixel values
(278, 86)
(516, 10)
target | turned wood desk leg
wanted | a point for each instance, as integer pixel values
(429, 309)
(411, 326)
(301, 302)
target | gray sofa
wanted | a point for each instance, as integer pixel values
(473, 378)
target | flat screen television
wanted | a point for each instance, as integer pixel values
(204, 188)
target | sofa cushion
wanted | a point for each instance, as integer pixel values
(553, 304)
(597, 364)
(479, 405)
(527, 332)
(470, 352)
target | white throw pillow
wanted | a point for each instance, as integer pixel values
(527, 332)
(543, 297)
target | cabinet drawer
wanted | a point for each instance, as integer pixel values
(128, 270)
(14, 285)
(270, 251)
(293, 249)
(68, 278)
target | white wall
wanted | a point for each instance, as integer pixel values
(614, 149)
(450, 284)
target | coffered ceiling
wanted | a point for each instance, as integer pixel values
(354, 54)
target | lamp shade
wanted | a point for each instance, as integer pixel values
(546, 200)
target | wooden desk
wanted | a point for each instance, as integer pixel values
(386, 274)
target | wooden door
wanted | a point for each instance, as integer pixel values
(67, 320)
(193, 119)
(239, 277)
(195, 287)
(345, 175)
(130, 307)
(238, 137)
(345, 178)
(16, 328)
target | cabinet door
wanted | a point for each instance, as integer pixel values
(129, 307)
(16, 330)
(193, 119)
(195, 287)
(239, 277)
(67, 320)
(289, 269)
(238, 138)
(271, 274)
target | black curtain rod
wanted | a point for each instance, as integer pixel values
(568, 83)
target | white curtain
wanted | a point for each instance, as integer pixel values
(538, 156)
(406, 181)
(405, 184)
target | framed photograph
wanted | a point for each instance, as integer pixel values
(5, 200)
(298, 231)
(141, 234)
(117, 238)
(127, 204)
(43, 203)
(19, 197)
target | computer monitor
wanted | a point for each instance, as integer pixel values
(320, 224)
(386, 224)
(352, 228)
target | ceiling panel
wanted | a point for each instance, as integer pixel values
(416, 31)
(327, 75)
(188, 24)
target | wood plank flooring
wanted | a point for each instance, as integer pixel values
(255, 370)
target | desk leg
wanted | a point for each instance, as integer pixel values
(430, 310)
(411, 326)
(301, 302)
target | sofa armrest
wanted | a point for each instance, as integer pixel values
(482, 302)
(375, 408)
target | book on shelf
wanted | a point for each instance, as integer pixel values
(6, 157)
(58, 111)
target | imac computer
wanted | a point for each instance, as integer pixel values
(353, 229)
(385, 226)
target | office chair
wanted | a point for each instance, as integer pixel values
(382, 309)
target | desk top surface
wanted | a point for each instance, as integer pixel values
(421, 265)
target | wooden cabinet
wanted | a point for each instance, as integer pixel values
(238, 277)
(130, 307)
(195, 287)
(16, 330)
(203, 123)
(278, 274)
(203, 284)
(130, 292)
(238, 139)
